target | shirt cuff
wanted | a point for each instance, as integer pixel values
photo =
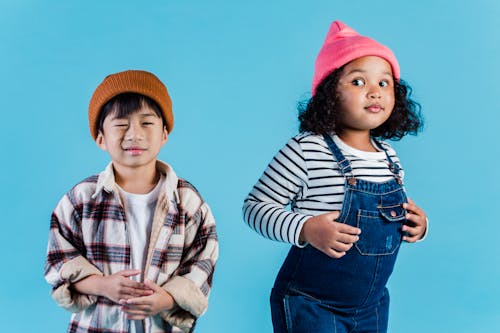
(297, 241)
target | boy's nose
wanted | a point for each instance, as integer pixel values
(134, 132)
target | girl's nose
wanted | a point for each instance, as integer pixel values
(374, 91)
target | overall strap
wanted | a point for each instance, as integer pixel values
(343, 163)
(393, 167)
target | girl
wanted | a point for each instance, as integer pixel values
(349, 211)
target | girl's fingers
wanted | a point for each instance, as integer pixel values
(334, 254)
(341, 247)
(411, 239)
(347, 239)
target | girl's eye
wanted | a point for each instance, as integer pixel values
(147, 123)
(358, 82)
(383, 83)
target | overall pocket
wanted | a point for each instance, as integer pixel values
(304, 315)
(380, 230)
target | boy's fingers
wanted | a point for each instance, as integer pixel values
(134, 284)
(138, 301)
(129, 272)
(130, 292)
(153, 286)
(136, 308)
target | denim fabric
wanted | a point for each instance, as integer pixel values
(316, 293)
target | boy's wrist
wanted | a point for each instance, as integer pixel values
(91, 285)
(168, 302)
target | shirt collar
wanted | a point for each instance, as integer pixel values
(106, 180)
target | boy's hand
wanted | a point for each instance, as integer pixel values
(330, 237)
(114, 287)
(416, 224)
(118, 286)
(146, 306)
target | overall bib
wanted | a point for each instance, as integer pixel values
(316, 293)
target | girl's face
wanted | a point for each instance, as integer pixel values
(365, 92)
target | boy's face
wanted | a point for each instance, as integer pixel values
(133, 141)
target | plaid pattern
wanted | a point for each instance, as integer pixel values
(88, 235)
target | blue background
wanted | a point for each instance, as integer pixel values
(235, 71)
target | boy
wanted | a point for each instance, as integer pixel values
(132, 249)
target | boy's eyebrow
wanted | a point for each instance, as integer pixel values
(149, 114)
(142, 114)
(115, 117)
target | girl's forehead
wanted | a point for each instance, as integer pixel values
(371, 64)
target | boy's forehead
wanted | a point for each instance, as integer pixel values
(143, 111)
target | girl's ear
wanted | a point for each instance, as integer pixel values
(101, 143)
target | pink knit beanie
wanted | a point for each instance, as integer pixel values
(342, 45)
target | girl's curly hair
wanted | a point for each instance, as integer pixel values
(320, 114)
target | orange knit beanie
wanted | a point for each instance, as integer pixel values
(131, 81)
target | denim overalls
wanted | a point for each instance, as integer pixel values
(316, 293)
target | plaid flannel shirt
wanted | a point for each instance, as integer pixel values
(88, 235)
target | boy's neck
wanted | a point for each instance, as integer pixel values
(137, 180)
(359, 140)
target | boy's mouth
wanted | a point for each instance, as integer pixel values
(134, 150)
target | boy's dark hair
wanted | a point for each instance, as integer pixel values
(127, 103)
(320, 115)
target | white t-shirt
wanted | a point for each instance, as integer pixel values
(139, 211)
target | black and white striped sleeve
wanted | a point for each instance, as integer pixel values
(264, 210)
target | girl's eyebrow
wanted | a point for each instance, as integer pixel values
(356, 70)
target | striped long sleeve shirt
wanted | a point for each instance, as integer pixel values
(303, 180)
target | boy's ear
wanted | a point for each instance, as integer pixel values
(164, 136)
(99, 140)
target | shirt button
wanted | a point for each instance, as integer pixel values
(393, 213)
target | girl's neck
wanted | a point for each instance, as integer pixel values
(137, 181)
(359, 140)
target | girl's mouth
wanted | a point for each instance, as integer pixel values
(374, 108)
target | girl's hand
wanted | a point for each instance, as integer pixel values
(330, 237)
(416, 224)
(114, 287)
(141, 307)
